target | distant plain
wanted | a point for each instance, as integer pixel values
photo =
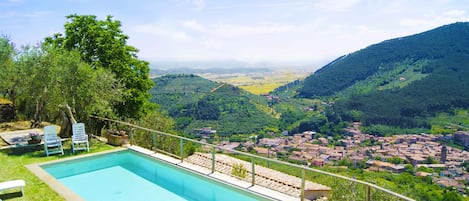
(258, 82)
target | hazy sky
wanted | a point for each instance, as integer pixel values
(248, 30)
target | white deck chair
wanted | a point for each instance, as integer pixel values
(12, 184)
(79, 138)
(52, 143)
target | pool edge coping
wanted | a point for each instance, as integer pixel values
(68, 194)
(217, 176)
(53, 183)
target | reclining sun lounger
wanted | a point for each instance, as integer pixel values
(12, 184)
(79, 137)
(52, 143)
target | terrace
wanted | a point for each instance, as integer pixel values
(208, 160)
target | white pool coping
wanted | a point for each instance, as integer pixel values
(68, 194)
(56, 185)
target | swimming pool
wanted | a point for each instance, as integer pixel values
(129, 175)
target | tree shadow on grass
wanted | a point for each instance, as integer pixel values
(13, 195)
(24, 150)
(34, 150)
(37, 151)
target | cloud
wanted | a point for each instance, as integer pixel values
(33, 14)
(199, 4)
(161, 31)
(227, 30)
(10, 3)
(455, 13)
(211, 43)
(290, 30)
(433, 19)
(193, 24)
(266, 4)
(329, 5)
(230, 30)
(36, 14)
(194, 4)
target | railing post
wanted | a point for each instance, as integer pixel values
(368, 189)
(154, 140)
(181, 143)
(268, 157)
(302, 184)
(131, 135)
(253, 173)
(213, 160)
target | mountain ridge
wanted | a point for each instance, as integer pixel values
(399, 82)
(363, 63)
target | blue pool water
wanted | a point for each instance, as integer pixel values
(128, 175)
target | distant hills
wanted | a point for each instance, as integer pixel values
(195, 102)
(174, 71)
(402, 83)
(399, 82)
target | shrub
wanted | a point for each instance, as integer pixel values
(239, 170)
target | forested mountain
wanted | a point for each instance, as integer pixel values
(195, 102)
(398, 82)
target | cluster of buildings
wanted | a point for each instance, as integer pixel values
(377, 153)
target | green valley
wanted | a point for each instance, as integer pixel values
(195, 102)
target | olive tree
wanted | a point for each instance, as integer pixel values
(7, 70)
(54, 79)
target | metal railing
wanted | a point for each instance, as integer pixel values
(369, 186)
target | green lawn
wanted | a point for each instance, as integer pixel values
(13, 166)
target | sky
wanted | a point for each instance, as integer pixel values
(298, 31)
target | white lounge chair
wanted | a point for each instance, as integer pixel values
(12, 184)
(52, 143)
(79, 138)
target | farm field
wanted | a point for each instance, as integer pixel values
(258, 83)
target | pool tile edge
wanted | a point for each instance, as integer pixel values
(68, 194)
(53, 183)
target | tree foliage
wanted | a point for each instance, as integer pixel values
(102, 44)
(8, 72)
(44, 78)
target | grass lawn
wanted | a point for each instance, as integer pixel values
(12, 166)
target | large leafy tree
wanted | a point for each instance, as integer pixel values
(101, 43)
(7, 70)
(52, 77)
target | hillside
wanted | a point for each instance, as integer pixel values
(443, 43)
(399, 82)
(195, 102)
(170, 90)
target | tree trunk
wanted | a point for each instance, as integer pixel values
(67, 121)
(37, 114)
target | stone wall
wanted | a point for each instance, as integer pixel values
(7, 113)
